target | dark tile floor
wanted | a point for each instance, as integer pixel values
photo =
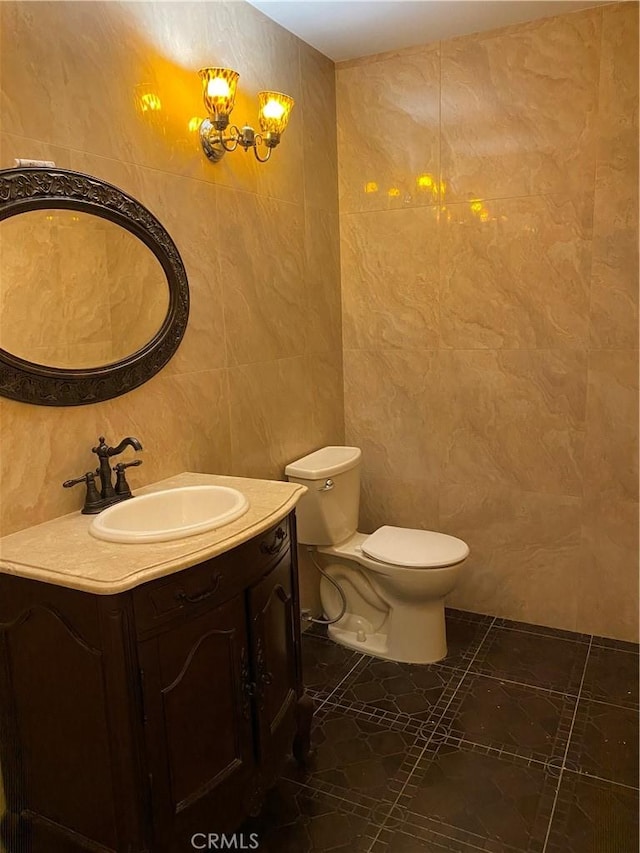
(524, 740)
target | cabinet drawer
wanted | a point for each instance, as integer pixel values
(208, 584)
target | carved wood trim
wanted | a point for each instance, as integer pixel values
(229, 634)
(27, 614)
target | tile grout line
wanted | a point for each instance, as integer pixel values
(604, 779)
(566, 751)
(344, 677)
(595, 701)
(488, 749)
(567, 637)
(430, 738)
(502, 680)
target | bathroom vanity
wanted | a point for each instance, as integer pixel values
(148, 692)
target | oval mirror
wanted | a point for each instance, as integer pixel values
(93, 293)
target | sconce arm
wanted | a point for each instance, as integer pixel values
(215, 144)
(260, 159)
(229, 143)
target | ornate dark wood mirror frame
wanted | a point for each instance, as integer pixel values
(27, 189)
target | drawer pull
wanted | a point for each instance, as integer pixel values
(276, 545)
(183, 597)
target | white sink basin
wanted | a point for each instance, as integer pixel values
(170, 514)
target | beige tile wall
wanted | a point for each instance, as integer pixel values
(489, 239)
(489, 309)
(257, 380)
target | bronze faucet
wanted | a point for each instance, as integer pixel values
(96, 501)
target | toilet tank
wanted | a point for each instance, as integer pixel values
(328, 513)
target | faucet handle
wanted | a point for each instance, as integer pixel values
(122, 488)
(84, 479)
(92, 498)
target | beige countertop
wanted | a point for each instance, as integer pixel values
(63, 552)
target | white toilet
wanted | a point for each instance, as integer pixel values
(394, 580)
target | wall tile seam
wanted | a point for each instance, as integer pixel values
(561, 194)
(378, 350)
(613, 349)
(406, 208)
(279, 360)
(223, 301)
(119, 161)
(176, 374)
(519, 27)
(303, 125)
(312, 350)
(588, 423)
(597, 139)
(152, 169)
(232, 466)
(575, 348)
(451, 349)
(261, 196)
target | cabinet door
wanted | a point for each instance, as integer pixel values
(271, 608)
(198, 724)
(67, 789)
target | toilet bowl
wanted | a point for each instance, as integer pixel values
(394, 580)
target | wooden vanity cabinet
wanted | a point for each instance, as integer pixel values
(132, 721)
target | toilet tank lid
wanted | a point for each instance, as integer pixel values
(403, 546)
(326, 462)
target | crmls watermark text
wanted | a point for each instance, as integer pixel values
(233, 841)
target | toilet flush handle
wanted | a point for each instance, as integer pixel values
(327, 486)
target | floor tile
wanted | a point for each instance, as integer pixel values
(356, 758)
(612, 676)
(399, 688)
(526, 721)
(465, 633)
(594, 817)
(466, 755)
(424, 840)
(542, 630)
(325, 663)
(490, 802)
(297, 820)
(604, 742)
(534, 659)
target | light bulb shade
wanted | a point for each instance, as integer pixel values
(275, 109)
(219, 90)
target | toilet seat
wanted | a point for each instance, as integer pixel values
(410, 548)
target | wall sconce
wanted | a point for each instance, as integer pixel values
(219, 93)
